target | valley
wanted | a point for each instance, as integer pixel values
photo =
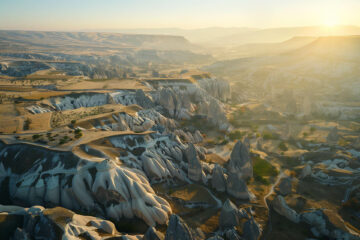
(134, 136)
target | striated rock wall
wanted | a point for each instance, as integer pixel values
(39, 176)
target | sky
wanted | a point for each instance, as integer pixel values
(75, 15)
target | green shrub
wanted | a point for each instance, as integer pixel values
(305, 134)
(223, 142)
(79, 135)
(270, 136)
(36, 136)
(261, 180)
(235, 135)
(312, 129)
(264, 168)
(27, 123)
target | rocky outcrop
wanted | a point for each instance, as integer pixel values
(189, 137)
(124, 122)
(175, 103)
(328, 224)
(240, 162)
(236, 187)
(306, 171)
(218, 180)
(230, 215)
(78, 101)
(216, 88)
(194, 164)
(333, 136)
(40, 176)
(232, 234)
(159, 156)
(280, 206)
(177, 229)
(152, 234)
(35, 109)
(54, 223)
(285, 186)
(143, 100)
(216, 115)
(124, 97)
(251, 230)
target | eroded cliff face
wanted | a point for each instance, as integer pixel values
(177, 100)
(38, 176)
(111, 175)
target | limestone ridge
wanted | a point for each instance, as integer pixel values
(161, 157)
(176, 101)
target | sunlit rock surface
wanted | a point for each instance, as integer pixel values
(218, 180)
(325, 223)
(38, 176)
(283, 209)
(240, 162)
(54, 223)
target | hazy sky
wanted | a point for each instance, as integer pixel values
(115, 14)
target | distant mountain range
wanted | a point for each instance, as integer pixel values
(217, 36)
(51, 40)
(327, 65)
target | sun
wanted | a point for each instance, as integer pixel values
(331, 21)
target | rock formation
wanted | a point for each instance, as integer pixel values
(44, 177)
(306, 171)
(152, 234)
(328, 224)
(251, 230)
(217, 88)
(333, 135)
(54, 223)
(218, 180)
(217, 115)
(285, 186)
(229, 215)
(240, 162)
(236, 187)
(232, 234)
(177, 229)
(143, 100)
(280, 206)
(194, 165)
